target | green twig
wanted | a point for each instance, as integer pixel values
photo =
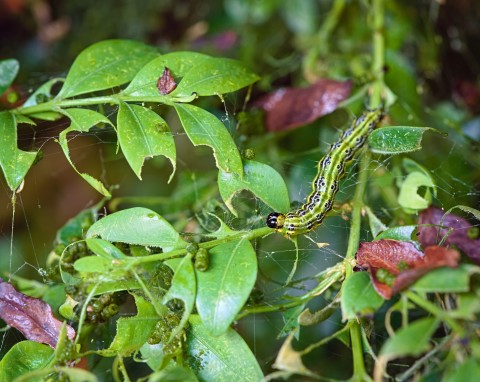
(436, 311)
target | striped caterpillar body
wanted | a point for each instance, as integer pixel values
(325, 185)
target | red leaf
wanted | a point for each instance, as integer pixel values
(31, 316)
(166, 83)
(287, 108)
(458, 237)
(395, 265)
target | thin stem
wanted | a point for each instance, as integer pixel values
(354, 238)
(243, 235)
(435, 311)
(378, 53)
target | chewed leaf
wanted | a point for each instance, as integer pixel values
(137, 226)
(215, 76)
(397, 139)
(14, 162)
(142, 134)
(43, 93)
(409, 198)
(225, 287)
(82, 120)
(133, 332)
(8, 71)
(104, 65)
(31, 316)
(287, 108)
(437, 226)
(395, 265)
(204, 128)
(260, 179)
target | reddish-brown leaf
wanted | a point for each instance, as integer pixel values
(31, 316)
(458, 236)
(287, 108)
(166, 83)
(394, 265)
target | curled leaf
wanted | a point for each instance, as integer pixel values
(287, 108)
(436, 225)
(394, 265)
(31, 316)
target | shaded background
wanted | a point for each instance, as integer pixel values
(434, 63)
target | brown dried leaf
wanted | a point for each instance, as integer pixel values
(166, 83)
(31, 316)
(458, 236)
(395, 265)
(287, 108)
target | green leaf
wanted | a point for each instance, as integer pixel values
(225, 287)
(43, 93)
(183, 287)
(376, 225)
(409, 197)
(215, 76)
(179, 63)
(447, 280)
(105, 249)
(137, 226)
(82, 120)
(8, 71)
(110, 269)
(470, 210)
(14, 162)
(173, 373)
(260, 179)
(400, 233)
(411, 340)
(397, 139)
(359, 296)
(223, 358)
(104, 65)
(204, 128)
(467, 371)
(46, 115)
(142, 133)
(23, 357)
(290, 319)
(133, 332)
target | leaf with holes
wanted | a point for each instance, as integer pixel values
(14, 162)
(204, 128)
(82, 120)
(142, 134)
(260, 179)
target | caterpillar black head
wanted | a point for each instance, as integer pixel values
(275, 220)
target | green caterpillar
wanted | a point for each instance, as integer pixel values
(325, 185)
